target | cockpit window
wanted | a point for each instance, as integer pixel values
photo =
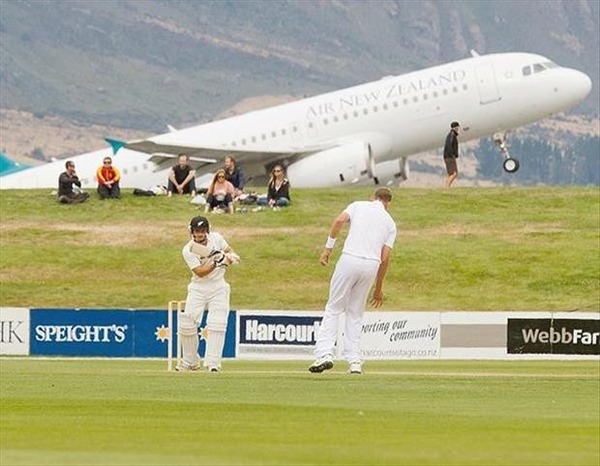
(538, 67)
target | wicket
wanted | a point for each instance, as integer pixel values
(179, 306)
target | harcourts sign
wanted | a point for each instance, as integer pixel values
(278, 330)
(276, 335)
(553, 336)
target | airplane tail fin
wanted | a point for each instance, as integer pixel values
(10, 166)
(115, 144)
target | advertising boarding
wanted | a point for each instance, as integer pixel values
(277, 335)
(292, 335)
(110, 333)
(14, 331)
(401, 335)
(553, 336)
(82, 332)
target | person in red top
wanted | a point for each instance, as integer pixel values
(108, 180)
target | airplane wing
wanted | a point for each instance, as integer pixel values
(162, 161)
(204, 159)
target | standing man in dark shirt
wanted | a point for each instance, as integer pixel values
(67, 179)
(234, 175)
(451, 153)
(182, 178)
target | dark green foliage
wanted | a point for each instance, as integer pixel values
(543, 162)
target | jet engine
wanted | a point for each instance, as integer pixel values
(343, 165)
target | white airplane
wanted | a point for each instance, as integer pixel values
(362, 134)
(46, 175)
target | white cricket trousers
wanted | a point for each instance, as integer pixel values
(352, 279)
(215, 298)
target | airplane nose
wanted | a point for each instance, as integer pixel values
(582, 84)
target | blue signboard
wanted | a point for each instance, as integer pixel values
(151, 334)
(112, 333)
(81, 332)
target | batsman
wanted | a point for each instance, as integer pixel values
(208, 255)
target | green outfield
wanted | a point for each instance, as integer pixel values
(496, 249)
(269, 413)
(472, 249)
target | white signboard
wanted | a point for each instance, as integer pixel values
(401, 335)
(14, 331)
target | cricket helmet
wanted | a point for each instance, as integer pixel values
(199, 222)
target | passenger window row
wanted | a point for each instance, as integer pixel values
(135, 169)
(354, 114)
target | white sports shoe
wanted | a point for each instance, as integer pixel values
(322, 364)
(214, 369)
(355, 368)
(185, 367)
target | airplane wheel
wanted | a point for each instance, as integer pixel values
(511, 165)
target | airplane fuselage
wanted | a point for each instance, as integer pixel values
(353, 135)
(401, 115)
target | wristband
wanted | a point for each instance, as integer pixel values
(330, 242)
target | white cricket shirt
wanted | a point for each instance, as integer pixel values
(371, 227)
(215, 242)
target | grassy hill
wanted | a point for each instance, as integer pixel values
(463, 249)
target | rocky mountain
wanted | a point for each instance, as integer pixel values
(141, 64)
(72, 72)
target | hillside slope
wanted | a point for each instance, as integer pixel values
(464, 249)
(144, 64)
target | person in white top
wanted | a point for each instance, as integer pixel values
(364, 261)
(207, 255)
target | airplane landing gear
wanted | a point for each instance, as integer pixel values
(510, 164)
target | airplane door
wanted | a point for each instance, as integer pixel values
(488, 88)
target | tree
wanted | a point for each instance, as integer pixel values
(543, 162)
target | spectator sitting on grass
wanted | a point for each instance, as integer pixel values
(219, 194)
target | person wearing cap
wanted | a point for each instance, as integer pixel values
(207, 254)
(363, 264)
(451, 154)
